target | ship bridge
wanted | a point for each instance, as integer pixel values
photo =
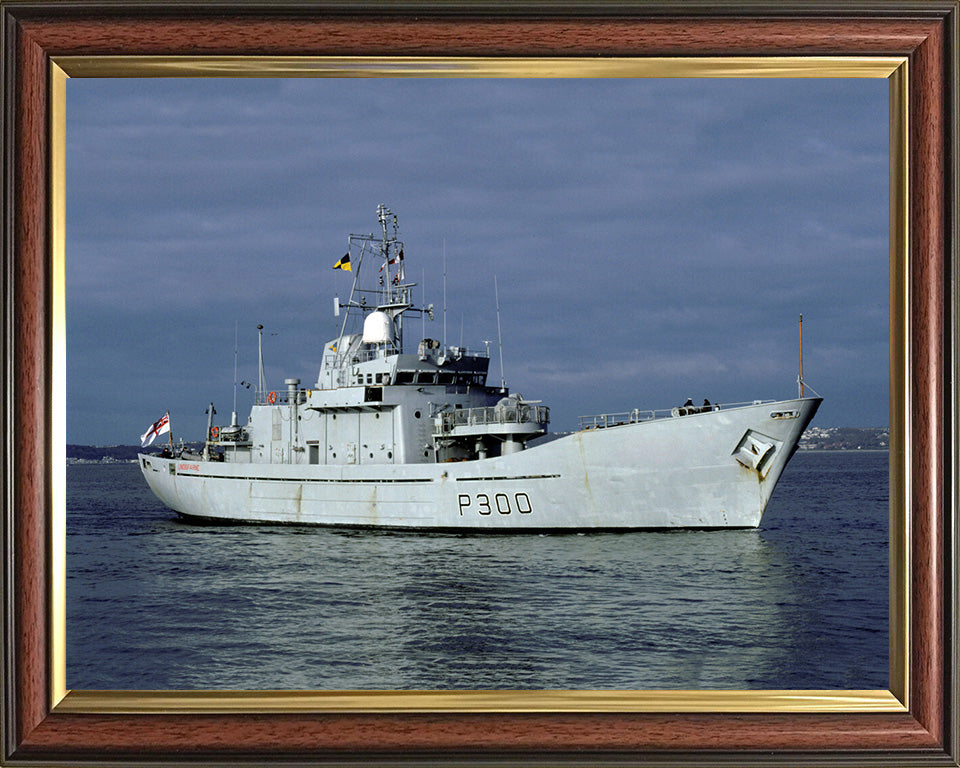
(355, 363)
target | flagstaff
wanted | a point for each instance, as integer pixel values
(800, 378)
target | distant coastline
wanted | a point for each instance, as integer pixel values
(815, 439)
(845, 439)
(111, 454)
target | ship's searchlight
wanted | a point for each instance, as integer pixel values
(377, 328)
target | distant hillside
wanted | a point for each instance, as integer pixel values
(101, 453)
(845, 439)
(110, 454)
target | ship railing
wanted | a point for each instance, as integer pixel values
(602, 420)
(279, 396)
(472, 352)
(455, 352)
(493, 414)
(349, 358)
(346, 359)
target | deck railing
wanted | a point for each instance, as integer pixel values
(599, 421)
(513, 414)
(278, 396)
(343, 359)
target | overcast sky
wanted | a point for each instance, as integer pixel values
(653, 240)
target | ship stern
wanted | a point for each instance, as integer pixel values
(159, 472)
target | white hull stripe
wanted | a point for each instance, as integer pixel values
(505, 477)
(337, 480)
(360, 480)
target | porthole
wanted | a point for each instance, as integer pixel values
(389, 454)
(416, 414)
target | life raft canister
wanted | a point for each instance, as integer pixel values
(272, 398)
(214, 433)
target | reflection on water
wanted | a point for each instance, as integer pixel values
(800, 603)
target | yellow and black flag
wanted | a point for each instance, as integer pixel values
(344, 263)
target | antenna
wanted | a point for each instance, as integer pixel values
(386, 290)
(800, 377)
(496, 292)
(263, 384)
(236, 323)
(444, 293)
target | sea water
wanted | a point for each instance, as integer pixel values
(800, 603)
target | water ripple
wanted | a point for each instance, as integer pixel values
(801, 603)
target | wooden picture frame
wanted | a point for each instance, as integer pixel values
(915, 722)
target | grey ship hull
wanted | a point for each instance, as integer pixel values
(715, 469)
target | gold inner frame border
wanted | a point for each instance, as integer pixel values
(893, 69)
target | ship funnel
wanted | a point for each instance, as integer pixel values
(377, 328)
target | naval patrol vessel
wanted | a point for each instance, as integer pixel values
(387, 437)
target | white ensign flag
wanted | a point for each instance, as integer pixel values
(159, 427)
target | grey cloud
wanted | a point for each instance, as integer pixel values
(642, 231)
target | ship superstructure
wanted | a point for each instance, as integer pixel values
(393, 437)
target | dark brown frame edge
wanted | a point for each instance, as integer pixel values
(925, 32)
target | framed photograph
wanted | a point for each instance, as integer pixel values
(911, 52)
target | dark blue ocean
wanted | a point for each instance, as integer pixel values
(801, 603)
